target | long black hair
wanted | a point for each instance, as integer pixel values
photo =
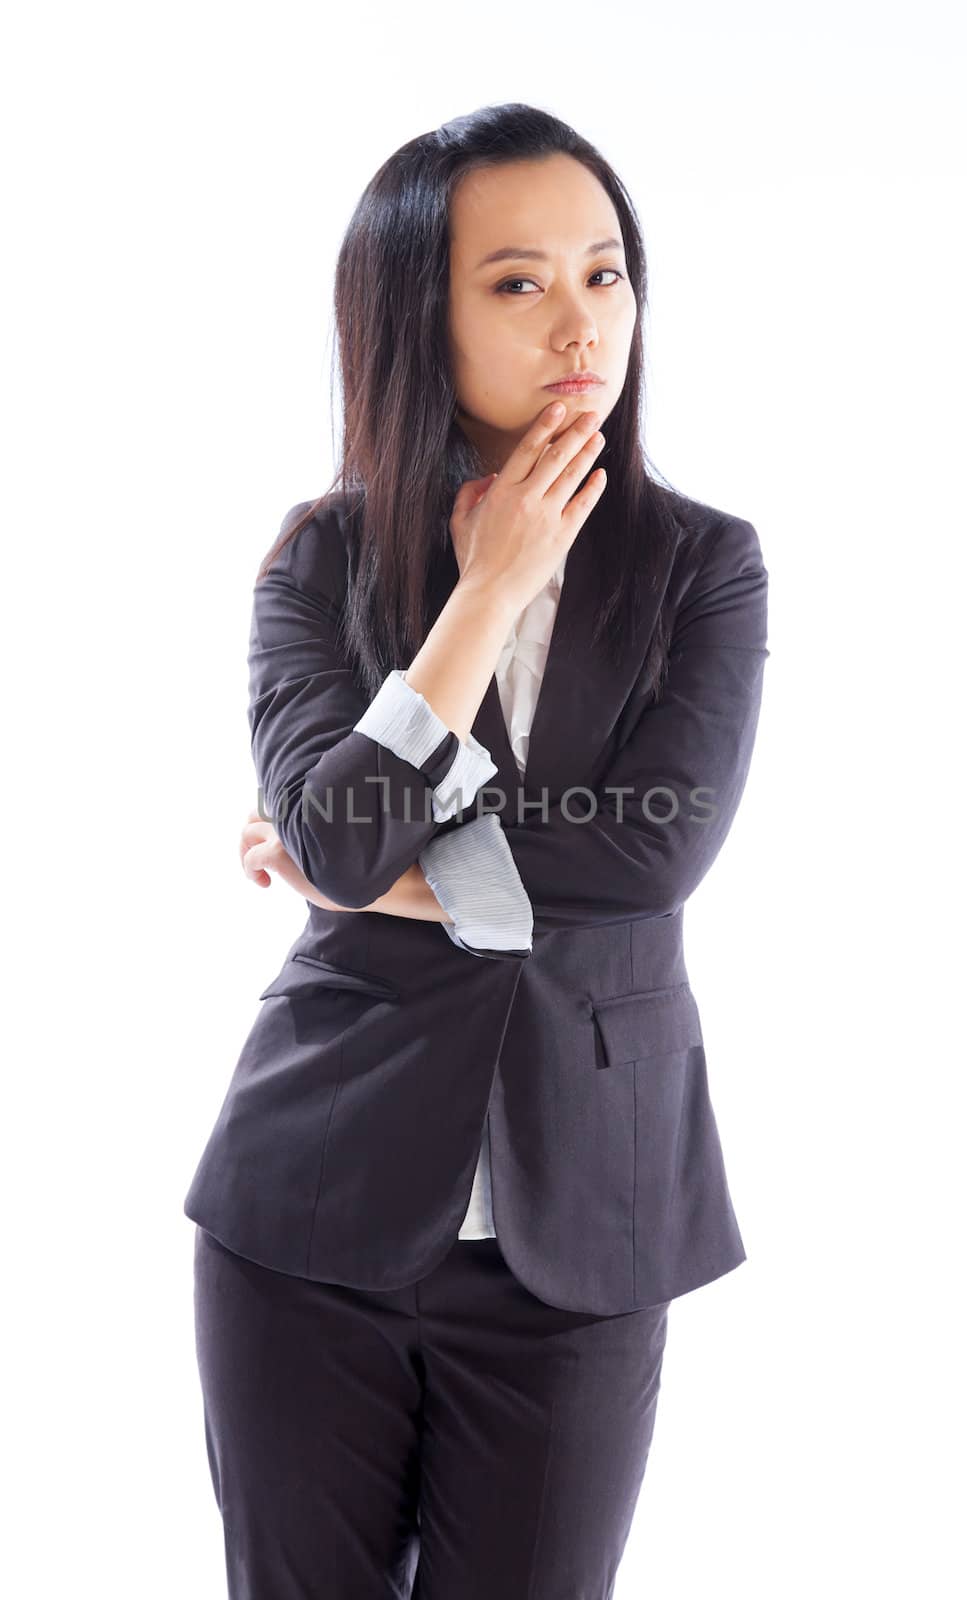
(404, 455)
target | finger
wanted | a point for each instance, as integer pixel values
(484, 486)
(528, 450)
(474, 487)
(554, 455)
(562, 487)
(580, 505)
(251, 836)
(258, 828)
(252, 864)
(256, 832)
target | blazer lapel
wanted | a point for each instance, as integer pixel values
(581, 697)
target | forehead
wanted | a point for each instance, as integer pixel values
(554, 205)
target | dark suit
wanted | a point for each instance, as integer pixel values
(345, 1148)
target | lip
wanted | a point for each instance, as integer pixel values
(578, 383)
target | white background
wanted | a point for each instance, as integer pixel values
(177, 180)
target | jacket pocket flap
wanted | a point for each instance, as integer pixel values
(302, 973)
(651, 1023)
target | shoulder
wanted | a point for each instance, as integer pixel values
(312, 548)
(720, 582)
(718, 586)
(713, 546)
(712, 540)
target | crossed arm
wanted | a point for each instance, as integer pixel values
(261, 851)
(316, 740)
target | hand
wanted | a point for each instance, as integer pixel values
(512, 530)
(262, 850)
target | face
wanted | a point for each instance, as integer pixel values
(518, 324)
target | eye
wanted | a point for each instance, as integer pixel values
(502, 287)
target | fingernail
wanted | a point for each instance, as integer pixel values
(557, 409)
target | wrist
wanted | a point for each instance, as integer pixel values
(410, 896)
(490, 601)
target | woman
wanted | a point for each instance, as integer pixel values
(460, 1172)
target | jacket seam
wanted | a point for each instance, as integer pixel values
(322, 1155)
(634, 1134)
(634, 1191)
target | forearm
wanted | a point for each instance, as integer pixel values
(459, 655)
(410, 896)
(354, 790)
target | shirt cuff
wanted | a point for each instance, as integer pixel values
(473, 950)
(473, 874)
(400, 718)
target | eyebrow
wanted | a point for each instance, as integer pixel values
(514, 252)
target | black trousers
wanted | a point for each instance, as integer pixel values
(457, 1439)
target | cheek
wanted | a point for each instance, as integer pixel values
(621, 330)
(479, 357)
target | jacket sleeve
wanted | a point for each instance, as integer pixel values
(640, 842)
(354, 790)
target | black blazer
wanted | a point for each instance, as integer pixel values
(346, 1145)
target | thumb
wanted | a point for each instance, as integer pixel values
(481, 485)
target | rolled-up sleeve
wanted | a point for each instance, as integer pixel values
(662, 810)
(663, 807)
(355, 785)
(400, 718)
(472, 873)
